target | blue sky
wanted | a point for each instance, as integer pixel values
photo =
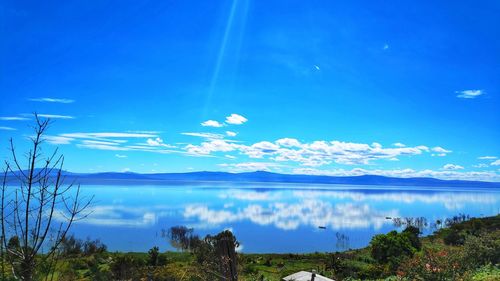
(399, 88)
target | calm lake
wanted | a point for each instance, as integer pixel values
(269, 217)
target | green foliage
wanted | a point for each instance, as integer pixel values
(183, 238)
(418, 259)
(126, 267)
(99, 272)
(434, 265)
(71, 246)
(217, 255)
(412, 233)
(91, 247)
(455, 263)
(153, 256)
(392, 248)
(481, 250)
(487, 273)
(453, 236)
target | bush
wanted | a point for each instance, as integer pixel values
(91, 247)
(412, 233)
(70, 246)
(153, 256)
(481, 250)
(434, 265)
(126, 266)
(453, 236)
(392, 248)
(487, 273)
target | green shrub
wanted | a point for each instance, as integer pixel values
(481, 250)
(412, 233)
(434, 265)
(126, 266)
(487, 273)
(453, 236)
(391, 248)
(153, 256)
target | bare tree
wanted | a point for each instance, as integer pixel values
(37, 207)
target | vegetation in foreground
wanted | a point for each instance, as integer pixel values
(466, 250)
(460, 249)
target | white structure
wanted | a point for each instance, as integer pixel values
(306, 276)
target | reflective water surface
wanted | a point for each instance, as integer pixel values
(270, 218)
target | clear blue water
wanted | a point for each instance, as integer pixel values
(269, 218)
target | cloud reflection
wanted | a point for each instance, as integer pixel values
(289, 216)
(244, 195)
(284, 209)
(109, 215)
(451, 201)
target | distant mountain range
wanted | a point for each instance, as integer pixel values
(262, 177)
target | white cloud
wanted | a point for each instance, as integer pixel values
(146, 132)
(316, 153)
(495, 163)
(208, 147)
(52, 100)
(155, 142)
(158, 142)
(102, 145)
(231, 134)
(208, 136)
(452, 167)
(116, 141)
(487, 157)
(482, 165)
(404, 173)
(55, 116)
(163, 149)
(288, 142)
(14, 118)
(108, 135)
(121, 156)
(440, 150)
(469, 94)
(235, 119)
(398, 144)
(7, 128)
(58, 139)
(212, 123)
(250, 166)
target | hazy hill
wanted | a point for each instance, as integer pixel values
(260, 176)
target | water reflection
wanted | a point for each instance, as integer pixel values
(127, 218)
(450, 200)
(289, 216)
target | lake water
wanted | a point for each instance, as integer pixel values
(269, 217)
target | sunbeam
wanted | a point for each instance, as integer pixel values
(240, 8)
